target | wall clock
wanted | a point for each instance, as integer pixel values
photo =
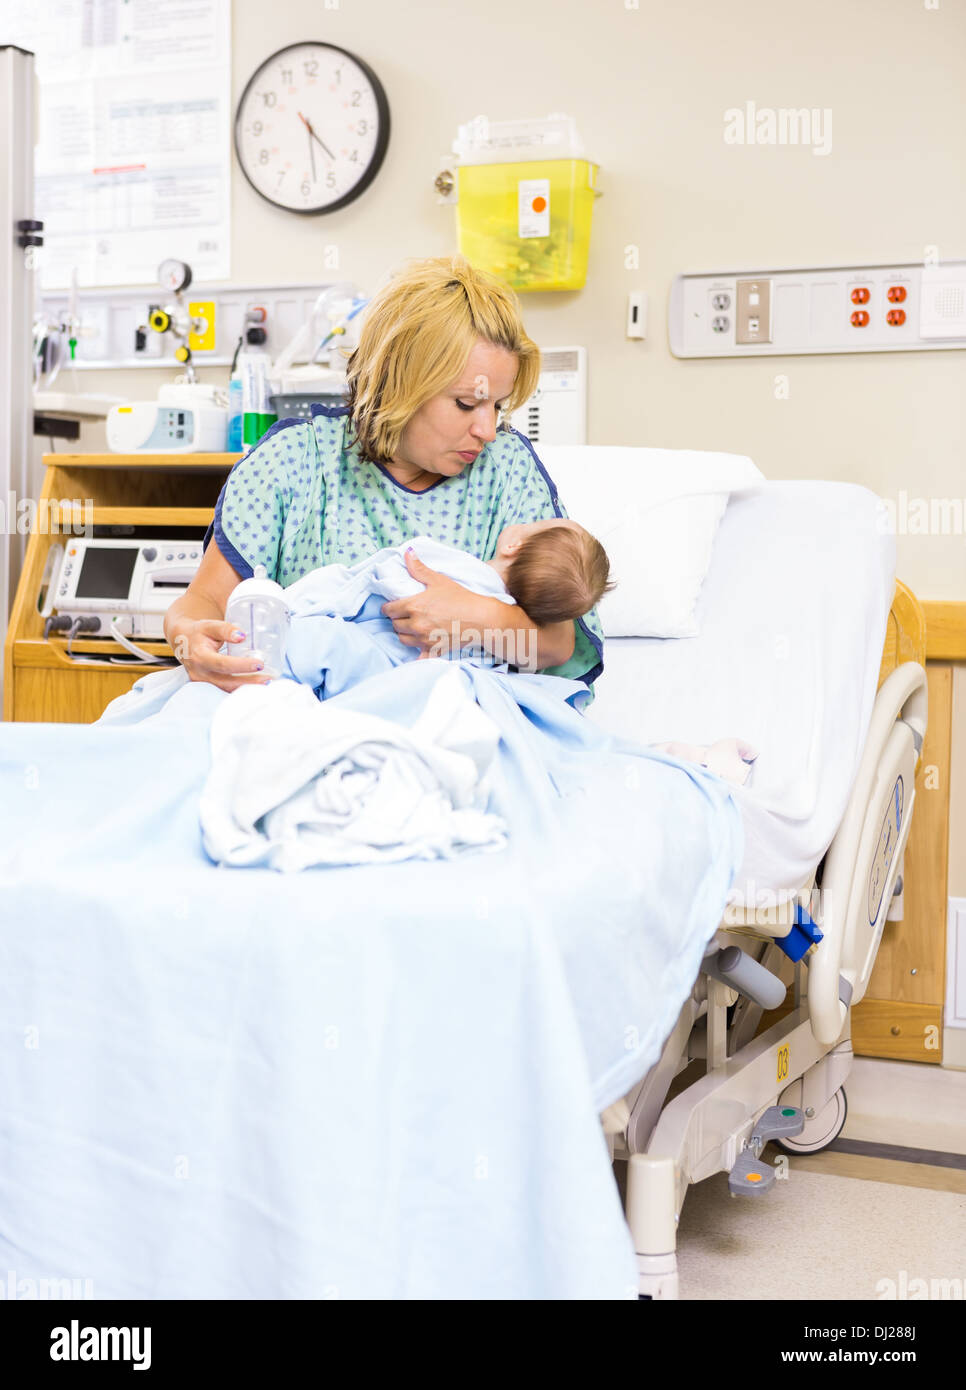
(312, 127)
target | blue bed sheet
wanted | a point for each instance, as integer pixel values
(375, 1082)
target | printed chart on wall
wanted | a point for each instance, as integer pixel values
(133, 161)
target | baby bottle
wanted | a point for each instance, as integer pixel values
(257, 606)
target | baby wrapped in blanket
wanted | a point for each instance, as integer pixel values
(555, 570)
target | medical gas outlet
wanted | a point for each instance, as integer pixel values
(192, 325)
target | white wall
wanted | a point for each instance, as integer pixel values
(649, 88)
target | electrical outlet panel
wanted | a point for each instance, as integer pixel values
(893, 308)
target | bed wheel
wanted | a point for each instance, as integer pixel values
(821, 1129)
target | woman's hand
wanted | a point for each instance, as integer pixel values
(443, 617)
(196, 645)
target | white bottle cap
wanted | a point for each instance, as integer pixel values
(259, 586)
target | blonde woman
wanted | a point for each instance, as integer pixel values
(420, 449)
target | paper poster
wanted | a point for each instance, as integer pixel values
(133, 162)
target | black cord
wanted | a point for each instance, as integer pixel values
(234, 360)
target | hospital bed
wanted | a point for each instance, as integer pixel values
(791, 657)
(388, 1081)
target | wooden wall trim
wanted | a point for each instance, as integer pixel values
(945, 630)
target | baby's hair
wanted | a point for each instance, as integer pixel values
(559, 573)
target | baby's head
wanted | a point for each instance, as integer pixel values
(554, 569)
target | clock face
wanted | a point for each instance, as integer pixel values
(312, 128)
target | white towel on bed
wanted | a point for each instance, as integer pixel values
(295, 782)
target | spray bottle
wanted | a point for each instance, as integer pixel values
(249, 405)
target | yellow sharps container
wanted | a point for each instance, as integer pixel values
(526, 220)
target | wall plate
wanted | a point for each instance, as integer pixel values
(813, 311)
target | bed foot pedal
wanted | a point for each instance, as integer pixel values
(750, 1177)
(778, 1122)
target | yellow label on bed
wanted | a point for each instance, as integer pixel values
(783, 1063)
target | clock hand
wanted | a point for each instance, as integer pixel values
(308, 127)
(315, 177)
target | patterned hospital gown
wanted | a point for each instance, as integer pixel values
(303, 497)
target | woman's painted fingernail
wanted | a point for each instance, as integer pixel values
(238, 637)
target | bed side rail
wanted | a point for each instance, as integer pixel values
(863, 859)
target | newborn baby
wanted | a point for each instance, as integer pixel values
(553, 569)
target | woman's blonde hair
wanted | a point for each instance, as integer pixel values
(418, 333)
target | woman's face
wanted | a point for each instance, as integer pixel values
(447, 433)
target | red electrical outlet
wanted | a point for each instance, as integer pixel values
(860, 295)
(860, 318)
(896, 294)
(896, 316)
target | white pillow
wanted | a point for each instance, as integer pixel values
(656, 512)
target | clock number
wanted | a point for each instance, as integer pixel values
(256, 128)
(361, 127)
(355, 98)
(280, 177)
(263, 156)
(306, 189)
(354, 157)
(311, 66)
(330, 179)
(288, 77)
(268, 98)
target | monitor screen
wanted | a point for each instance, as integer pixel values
(106, 572)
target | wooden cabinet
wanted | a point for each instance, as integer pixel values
(901, 1014)
(41, 682)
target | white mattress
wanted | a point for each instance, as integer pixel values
(792, 622)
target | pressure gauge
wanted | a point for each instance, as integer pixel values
(174, 276)
(312, 127)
